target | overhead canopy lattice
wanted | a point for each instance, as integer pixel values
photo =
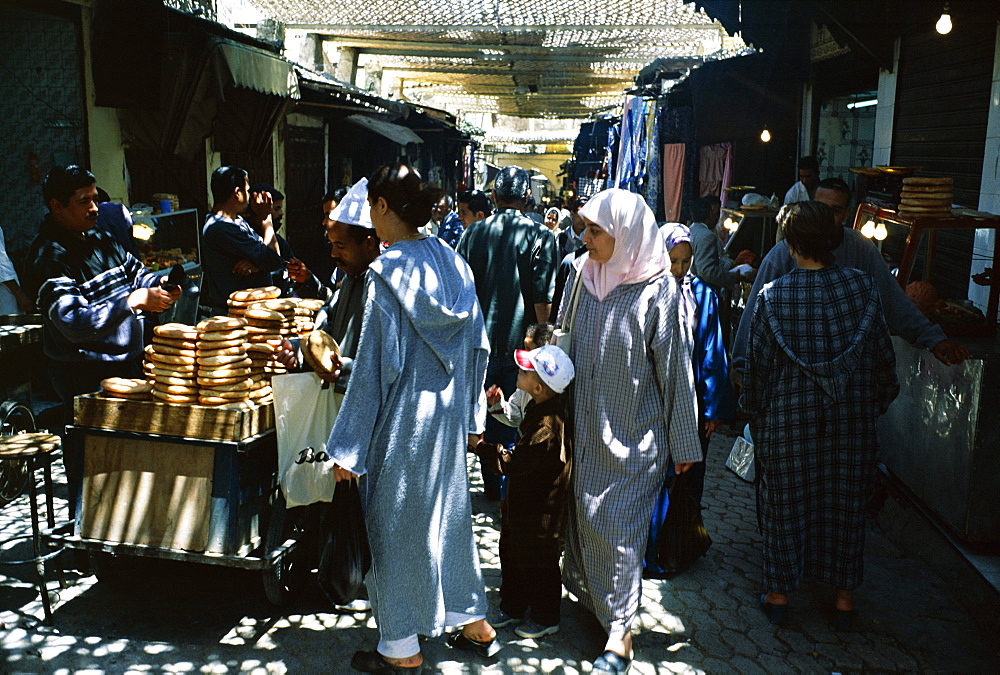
(529, 58)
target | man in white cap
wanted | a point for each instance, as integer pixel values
(353, 247)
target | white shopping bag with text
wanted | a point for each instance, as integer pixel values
(304, 414)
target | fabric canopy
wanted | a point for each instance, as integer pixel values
(393, 132)
(255, 69)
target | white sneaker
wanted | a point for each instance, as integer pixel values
(355, 607)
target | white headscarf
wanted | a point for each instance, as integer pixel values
(639, 254)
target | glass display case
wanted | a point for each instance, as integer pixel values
(168, 239)
(918, 239)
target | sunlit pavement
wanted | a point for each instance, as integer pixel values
(177, 617)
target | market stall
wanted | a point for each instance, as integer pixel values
(182, 464)
(940, 436)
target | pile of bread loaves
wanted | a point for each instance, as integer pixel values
(224, 360)
(924, 197)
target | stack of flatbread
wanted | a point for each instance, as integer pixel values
(240, 300)
(270, 322)
(171, 365)
(223, 364)
(305, 314)
(924, 197)
(126, 388)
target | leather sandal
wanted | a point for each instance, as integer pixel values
(776, 614)
(373, 662)
(485, 649)
(609, 662)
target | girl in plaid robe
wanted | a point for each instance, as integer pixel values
(821, 371)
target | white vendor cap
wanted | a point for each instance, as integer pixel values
(353, 209)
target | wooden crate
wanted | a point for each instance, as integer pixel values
(171, 419)
(171, 493)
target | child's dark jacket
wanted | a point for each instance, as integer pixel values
(538, 471)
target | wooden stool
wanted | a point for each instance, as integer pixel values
(36, 449)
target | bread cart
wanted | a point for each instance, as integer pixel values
(188, 483)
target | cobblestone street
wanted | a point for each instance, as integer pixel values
(189, 618)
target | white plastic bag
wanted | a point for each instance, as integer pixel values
(304, 415)
(741, 459)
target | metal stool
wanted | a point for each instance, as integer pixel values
(36, 449)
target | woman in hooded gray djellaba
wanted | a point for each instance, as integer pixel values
(415, 396)
(821, 371)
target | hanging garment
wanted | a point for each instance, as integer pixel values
(673, 180)
(711, 169)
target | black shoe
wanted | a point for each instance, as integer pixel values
(776, 614)
(609, 662)
(843, 619)
(485, 649)
(373, 662)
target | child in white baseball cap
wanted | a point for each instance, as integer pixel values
(532, 513)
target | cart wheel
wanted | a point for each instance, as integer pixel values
(284, 580)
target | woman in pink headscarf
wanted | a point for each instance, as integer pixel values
(634, 408)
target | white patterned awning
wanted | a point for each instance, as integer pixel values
(529, 58)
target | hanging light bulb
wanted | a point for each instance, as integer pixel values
(880, 232)
(943, 25)
(868, 229)
(730, 224)
(765, 135)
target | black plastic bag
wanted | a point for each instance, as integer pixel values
(683, 538)
(344, 556)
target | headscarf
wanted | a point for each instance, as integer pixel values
(554, 210)
(565, 219)
(639, 254)
(673, 234)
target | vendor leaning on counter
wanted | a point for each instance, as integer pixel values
(354, 246)
(234, 256)
(853, 250)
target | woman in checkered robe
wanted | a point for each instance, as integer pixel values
(633, 407)
(821, 371)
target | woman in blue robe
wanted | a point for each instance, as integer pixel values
(716, 401)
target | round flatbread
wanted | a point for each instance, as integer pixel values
(927, 180)
(263, 347)
(318, 349)
(242, 394)
(220, 323)
(222, 335)
(222, 373)
(923, 209)
(159, 366)
(208, 399)
(126, 397)
(224, 351)
(125, 385)
(263, 293)
(263, 392)
(935, 194)
(176, 331)
(938, 203)
(176, 381)
(278, 305)
(182, 359)
(176, 389)
(241, 385)
(301, 311)
(167, 349)
(265, 324)
(174, 398)
(263, 314)
(169, 342)
(223, 360)
(210, 345)
(212, 382)
(311, 303)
